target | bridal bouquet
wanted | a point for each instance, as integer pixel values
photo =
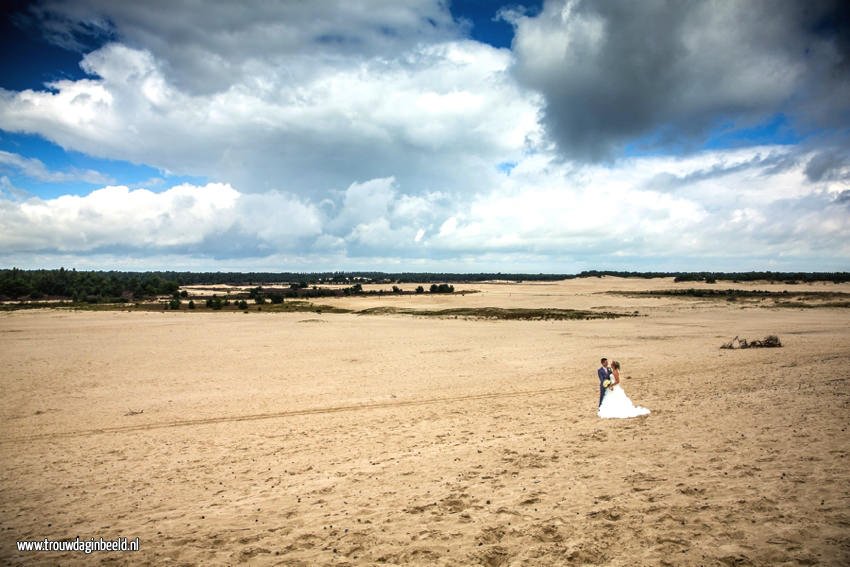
(608, 383)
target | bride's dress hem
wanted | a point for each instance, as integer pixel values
(617, 405)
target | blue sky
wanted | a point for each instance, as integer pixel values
(467, 136)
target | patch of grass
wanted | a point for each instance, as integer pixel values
(76, 306)
(804, 299)
(288, 306)
(500, 314)
(295, 306)
(801, 305)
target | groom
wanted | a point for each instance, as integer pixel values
(604, 373)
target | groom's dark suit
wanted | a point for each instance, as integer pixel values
(604, 373)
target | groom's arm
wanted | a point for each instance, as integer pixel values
(603, 374)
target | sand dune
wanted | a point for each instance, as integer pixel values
(341, 439)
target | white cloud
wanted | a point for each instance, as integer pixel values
(363, 203)
(8, 190)
(734, 206)
(277, 218)
(430, 113)
(35, 169)
(214, 219)
(736, 210)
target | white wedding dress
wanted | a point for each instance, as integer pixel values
(616, 404)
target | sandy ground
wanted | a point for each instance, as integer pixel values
(305, 439)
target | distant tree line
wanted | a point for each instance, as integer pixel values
(306, 279)
(83, 286)
(274, 294)
(112, 286)
(713, 277)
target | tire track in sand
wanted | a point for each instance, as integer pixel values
(274, 415)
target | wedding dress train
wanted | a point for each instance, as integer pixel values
(616, 404)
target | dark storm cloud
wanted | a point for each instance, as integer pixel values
(829, 165)
(615, 72)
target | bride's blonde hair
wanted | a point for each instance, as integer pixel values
(615, 364)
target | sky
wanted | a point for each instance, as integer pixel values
(425, 135)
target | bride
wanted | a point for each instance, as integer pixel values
(616, 403)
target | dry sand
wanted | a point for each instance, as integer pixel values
(306, 439)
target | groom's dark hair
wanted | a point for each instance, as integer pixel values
(603, 360)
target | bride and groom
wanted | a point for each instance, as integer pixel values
(613, 401)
